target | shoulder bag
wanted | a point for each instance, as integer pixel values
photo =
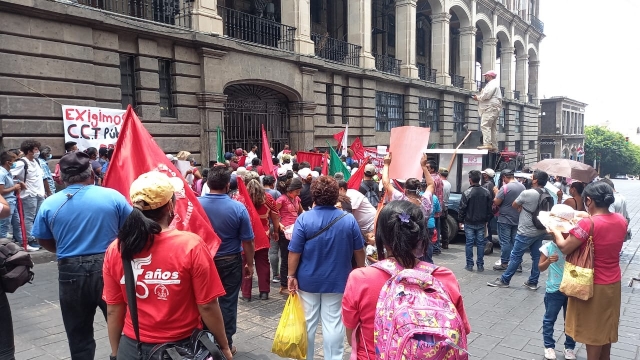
(201, 345)
(577, 279)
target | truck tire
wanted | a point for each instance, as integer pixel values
(452, 226)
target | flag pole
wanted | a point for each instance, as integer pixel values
(22, 227)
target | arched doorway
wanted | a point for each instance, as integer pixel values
(247, 108)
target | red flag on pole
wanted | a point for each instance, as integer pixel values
(25, 240)
(125, 168)
(313, 159)
(267, 163)
(339, 137)
(358, 149)
(356, 179)
(260, 236)
(325, 165)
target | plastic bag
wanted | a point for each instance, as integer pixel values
(291, 335)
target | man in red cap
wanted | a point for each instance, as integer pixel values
(489, 107)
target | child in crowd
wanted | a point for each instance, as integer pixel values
(371, 250)
(552, 258)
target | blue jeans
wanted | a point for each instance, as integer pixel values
(507, 235)
(80, 286)
(12, 220)
(230, 272)
(437, 246)
(553, 303)
(474, 235)
(30, 207)
(519, 247)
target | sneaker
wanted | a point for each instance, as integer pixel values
(34, 245)
(519, 268)
(32, 249)
(500, 267)
(499, 262)
(498, 283)
(480, 268)
(469, 267)
(531, 286)
(276, 279)
(569, 354)
(550, 354)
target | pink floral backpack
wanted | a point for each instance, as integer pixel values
(415, 317)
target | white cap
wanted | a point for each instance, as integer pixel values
(282, 171)
(304, 173)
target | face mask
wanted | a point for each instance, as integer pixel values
(13, 165)
(49, 157)
(36, 154)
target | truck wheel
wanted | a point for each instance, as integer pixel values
(452, 226)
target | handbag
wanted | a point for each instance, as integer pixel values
(495, 209)
(577, 278)
(200, 346)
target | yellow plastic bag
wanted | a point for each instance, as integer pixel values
(291, 335)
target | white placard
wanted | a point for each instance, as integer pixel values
(92, 126)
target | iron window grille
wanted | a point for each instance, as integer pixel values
(345, 106)
(517, 119)
(501, 121)
(429, 113)
(518, 146)
(389, 111)
(336, 50)
(458, 116)
(329, 92)
(127, 80)
(166, 85)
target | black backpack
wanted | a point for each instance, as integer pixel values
(371, 195)
(15, 266)
(545, 203)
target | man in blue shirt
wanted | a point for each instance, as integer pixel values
(9, 188)
(230, 220)
(78, 224)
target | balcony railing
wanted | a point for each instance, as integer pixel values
(171, 12)
(388, 64)
(536, 23)
(336, 50)
(516, 94)
(457, 81)
(530, 98)
(426, 74)
(502, 91)
(251, 28)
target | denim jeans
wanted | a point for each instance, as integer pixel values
(489, 236)
(521, 245)
(437, 246)
(507, 235)
(14, 221)
(230, 272)
(274, 258)
(327, 307)
(553, 303)
(7, 347)
(428, 254)
(80, 287)
(30, 207)
(475, 236)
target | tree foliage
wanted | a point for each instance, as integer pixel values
(614, 154)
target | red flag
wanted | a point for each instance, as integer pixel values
(356, 179)
(325, 165)
(260, 236)
(242, 161)
(339, 137)
(267, 163)
(312, 158)
(358, 149)
(125, 168)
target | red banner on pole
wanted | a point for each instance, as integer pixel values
(315, 159)
(358, 149)
(267, 163)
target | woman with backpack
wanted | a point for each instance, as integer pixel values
(401, 230)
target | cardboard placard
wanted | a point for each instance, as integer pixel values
(406, 146)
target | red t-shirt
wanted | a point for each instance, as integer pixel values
(175, 276)
(361, 297)
(288, 209)
(265, 210)
(609, 232)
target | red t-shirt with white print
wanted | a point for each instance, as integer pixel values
(173, 277)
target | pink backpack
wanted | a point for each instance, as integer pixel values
(415, 318)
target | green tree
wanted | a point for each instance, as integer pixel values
(614, 154)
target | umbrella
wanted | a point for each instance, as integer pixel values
(567, 168)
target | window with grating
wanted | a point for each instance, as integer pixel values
(127, 80)
(458, 116)
(389, 111)
(429, 113)
(166, 86)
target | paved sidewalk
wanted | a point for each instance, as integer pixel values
(506, 323)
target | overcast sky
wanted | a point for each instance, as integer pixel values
(591, 55)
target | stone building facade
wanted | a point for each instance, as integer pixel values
(302, 68)
(562, 128)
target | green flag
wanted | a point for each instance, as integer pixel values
(336, 165)
(219, 145)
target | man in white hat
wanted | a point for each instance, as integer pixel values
(489, 107)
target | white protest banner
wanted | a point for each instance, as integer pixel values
(91, 126)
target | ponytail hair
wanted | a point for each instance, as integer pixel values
(138, 231)
(401, 227)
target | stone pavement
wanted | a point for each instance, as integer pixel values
(506, 323)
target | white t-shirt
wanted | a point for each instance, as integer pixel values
(34, 180)
(250, 156)
(205, 189)
(370, 250)
(363, 211)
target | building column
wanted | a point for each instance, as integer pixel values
(468, 56)
(359, 30)
(534, 67)
(522, 67)
(406, 37)
(205, 18)
(440, 47)
(297, 13)
(489, 47)
(506, 58)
